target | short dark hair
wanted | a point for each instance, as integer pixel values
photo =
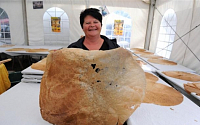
(92, 12)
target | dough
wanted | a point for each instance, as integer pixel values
(81, 87)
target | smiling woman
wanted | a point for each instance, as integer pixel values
(91, 23)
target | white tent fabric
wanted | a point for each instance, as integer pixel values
(14, 11)
(187, 12)
(35, 20)
(137, 9)
(193, 41)
(73, 9)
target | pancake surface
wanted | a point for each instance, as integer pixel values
(82, 87)
(183, 75)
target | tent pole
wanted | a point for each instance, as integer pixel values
(25, 22)
(149, 24)
(87, 3)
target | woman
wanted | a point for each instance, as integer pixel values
(91, 23)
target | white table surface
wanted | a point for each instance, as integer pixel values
(31, 80)
(147, 67)
(177, 67)
(17, 53)
(27, 76)
(31, 71)
(31, 75)
(3, 49)
(186, 113)
(20, 105)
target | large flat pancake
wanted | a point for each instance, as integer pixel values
(150, 56)
(17, 49)
(151, 77)
(183, 75)
(135, 57)
(138, 49)
(153, 95)
(141, 63)
(192, 87)
(7, 45)
(28, 50)
(82, 87)
(41, 65)
(160, 94)
(144, 53)
(162, 61)
(37, 50)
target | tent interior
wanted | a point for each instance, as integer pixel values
(168, 28)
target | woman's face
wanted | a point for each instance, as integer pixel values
(91, 26)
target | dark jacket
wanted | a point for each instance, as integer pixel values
(112, 43)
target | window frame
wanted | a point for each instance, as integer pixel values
(166, 34)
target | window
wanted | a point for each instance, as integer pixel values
(166, 34)
(124, 39)
(5, 36)
(56, 27)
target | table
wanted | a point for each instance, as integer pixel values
(20, 105)
(186, 113)
(179, 84)
(147, 66)
(32, 75)
(177, 67)
(17, 53)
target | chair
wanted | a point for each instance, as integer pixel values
(15, 77)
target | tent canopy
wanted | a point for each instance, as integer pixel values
(27, 27)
